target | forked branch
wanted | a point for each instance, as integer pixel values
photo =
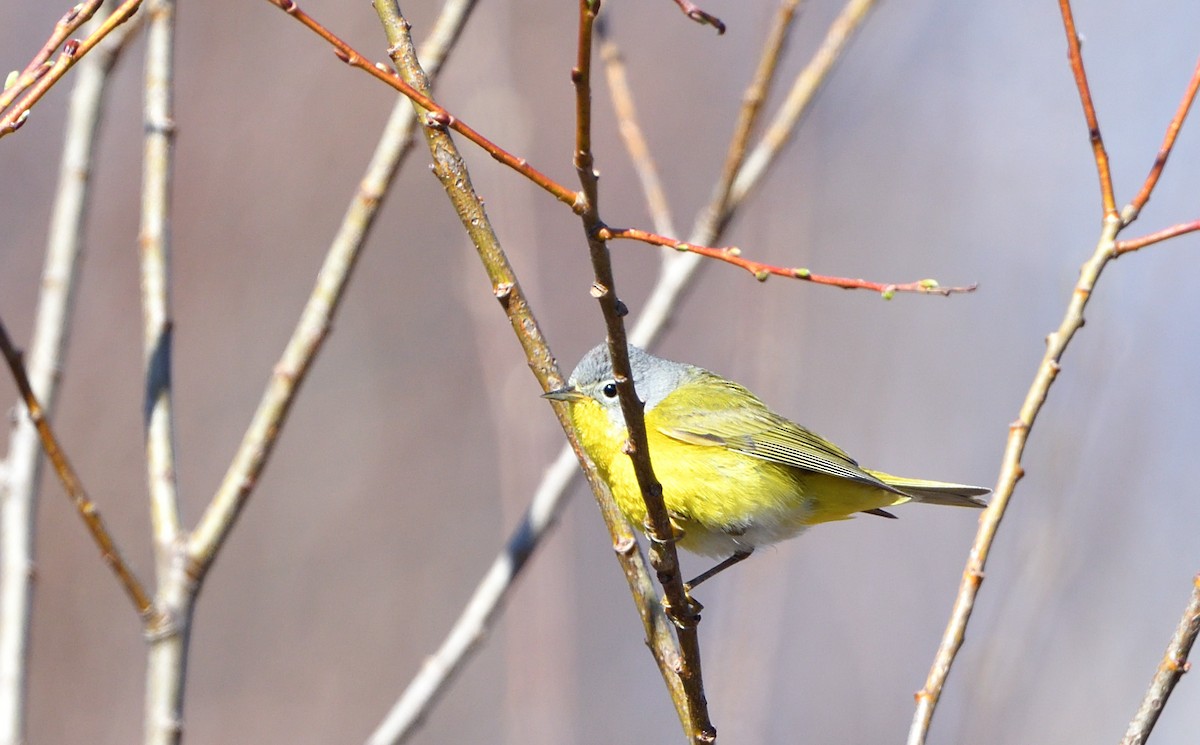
(1011, 468)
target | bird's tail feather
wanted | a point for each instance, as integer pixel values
(935, 492)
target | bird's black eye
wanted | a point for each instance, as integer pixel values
(610, 390)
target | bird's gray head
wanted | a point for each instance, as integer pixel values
(653, 377)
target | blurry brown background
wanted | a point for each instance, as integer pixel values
(949, 143)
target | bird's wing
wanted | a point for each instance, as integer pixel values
(732, 417)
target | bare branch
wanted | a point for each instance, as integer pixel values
(1134, 244)
(800, 97)
(20, 474)
(691, 10)
(73, 51)
(753, 99)
(1089, 110)
(395, 144)
(1164, 150)
(167, 659)
(1174, 664)
(761, 272)
(37, 67)
(433, 111)
(1011, 469)
(70, 480)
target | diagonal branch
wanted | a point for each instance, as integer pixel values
(395, 144)
(433, 111)
(753, 99)
(72, 484)
(1134, 244)
(1174, 664)
(1164, 151)
(799, 99)
(16, 84)
(72, 52)
(631, 132)
(1011, 472)
(693, 11)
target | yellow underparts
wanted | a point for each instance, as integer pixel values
(721, 500)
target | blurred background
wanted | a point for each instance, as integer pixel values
(949, 143)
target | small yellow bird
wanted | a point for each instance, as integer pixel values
(735, 475)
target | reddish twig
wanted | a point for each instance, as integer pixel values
(1174, 664)
(1124, 247)
(691, 10)
(436, 114)
(47, 74)
(1089, 110)
(74, 487)
(761, 272)
(1160, 161)
(38, 66)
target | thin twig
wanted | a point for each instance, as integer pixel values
(72, 52)
(691, 10)
(1124, 247)
(20, 481)
(37, 67)
(452, 172)
(663, 555)
(435, 112)
(761, 272)
(679, 271)
(752, 102)
(70, 480)
(1174, 664)
(799, 98)
(1089, 111)
(1164, 151)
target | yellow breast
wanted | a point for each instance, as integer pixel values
(720, 499)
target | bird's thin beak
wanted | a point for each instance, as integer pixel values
(568, 394)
